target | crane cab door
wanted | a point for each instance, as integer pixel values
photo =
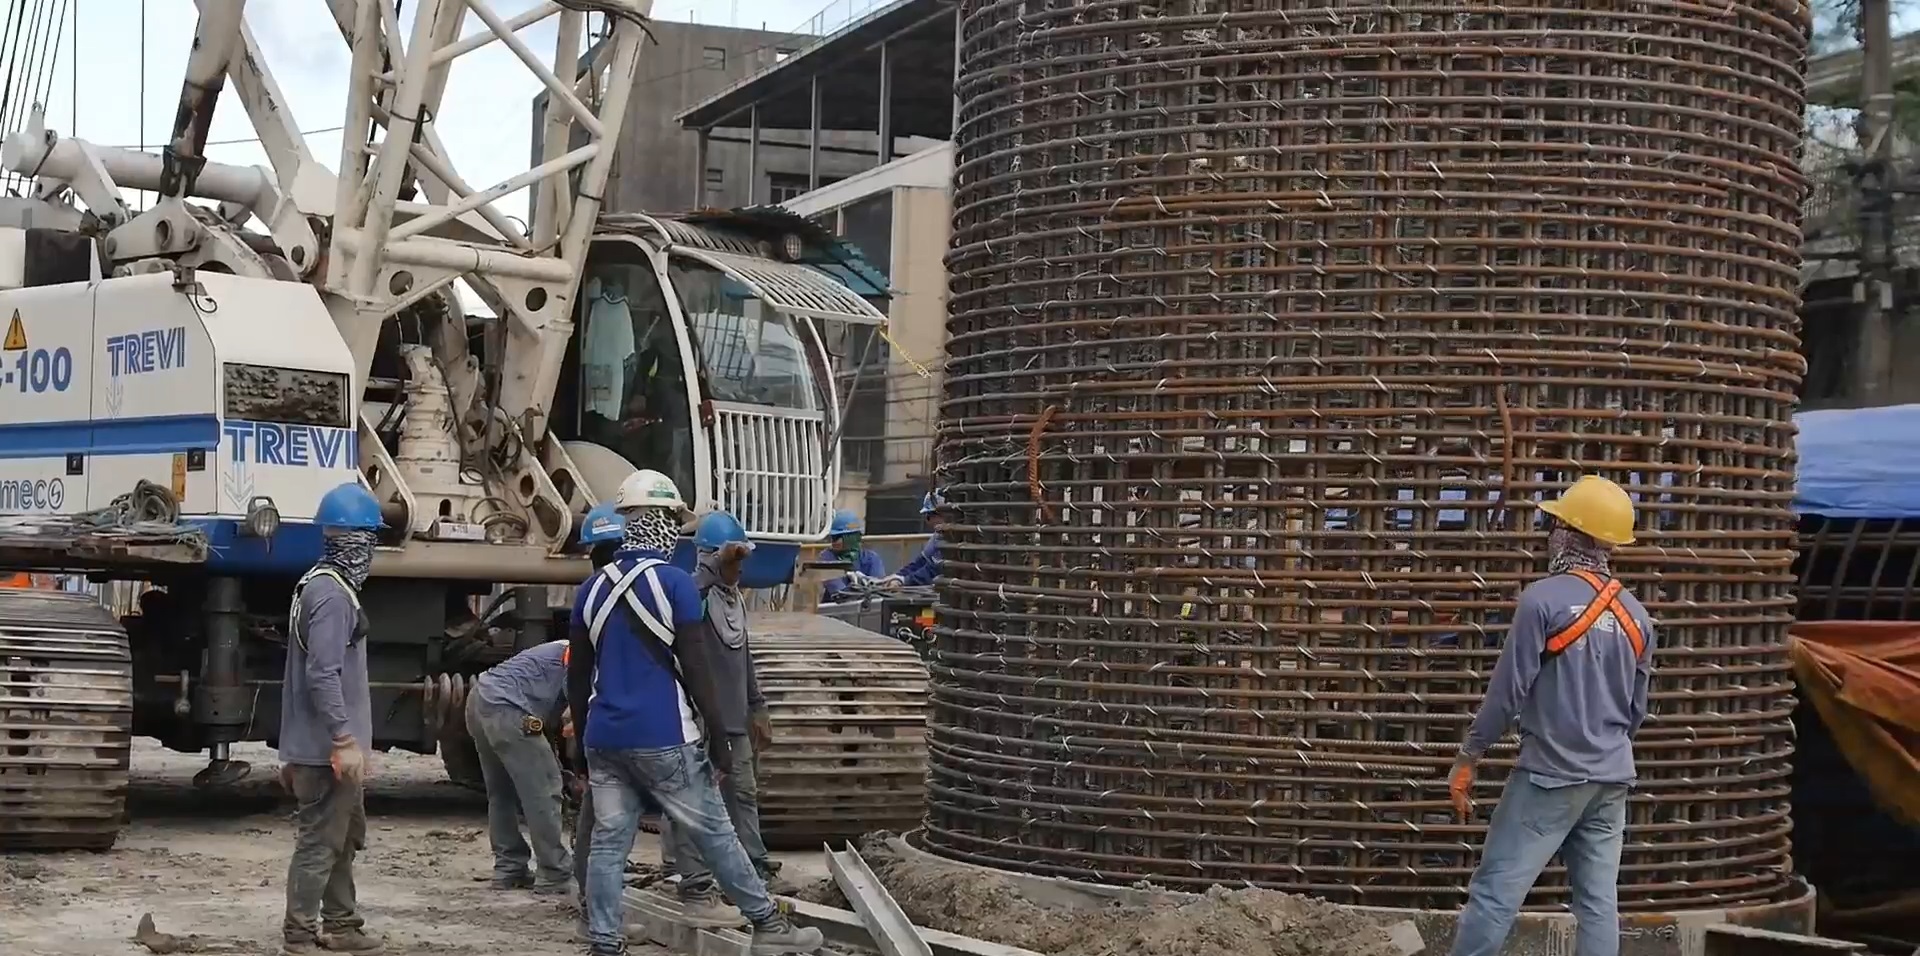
(629, 385)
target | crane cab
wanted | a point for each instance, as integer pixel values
(697, 351)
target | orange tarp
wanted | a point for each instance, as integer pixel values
(1864, 679)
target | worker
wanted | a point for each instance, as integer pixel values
(843, 544)
(326, 728)
(723, 547)
(1574, 671)
(601, 533)
(508, 712)
(639, 652)
(921, 571)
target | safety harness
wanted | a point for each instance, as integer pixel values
(621, 593)
(1606, 598)
(299, 630)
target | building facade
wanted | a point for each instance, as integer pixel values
(658, 163)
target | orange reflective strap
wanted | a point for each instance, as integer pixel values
(1606, 598)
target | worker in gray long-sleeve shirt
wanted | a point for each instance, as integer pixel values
(508, 713)
(723, 547)
(1574, 671)
(326, 727)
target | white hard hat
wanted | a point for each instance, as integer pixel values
(647, 488)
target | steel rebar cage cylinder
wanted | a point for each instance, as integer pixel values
(1271, 324)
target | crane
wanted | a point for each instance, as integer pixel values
(259, 334)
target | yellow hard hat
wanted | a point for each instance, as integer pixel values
(1597, 507)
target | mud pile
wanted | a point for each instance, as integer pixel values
(978, 903)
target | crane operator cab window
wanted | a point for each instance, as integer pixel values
(752, 354)
(633, 389)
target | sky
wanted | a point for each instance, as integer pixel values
(485, 119)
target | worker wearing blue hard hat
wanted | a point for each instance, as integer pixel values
(843, 544)
(723, 548)
(326, 727)
(921, 571)
(602, 531)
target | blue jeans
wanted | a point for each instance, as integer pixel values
(681, 780)
(1585, 823)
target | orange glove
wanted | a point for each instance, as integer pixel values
(1460, 787)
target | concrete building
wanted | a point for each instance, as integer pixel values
(875, 76)
(660, 167)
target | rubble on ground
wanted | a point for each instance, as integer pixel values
(971, 901)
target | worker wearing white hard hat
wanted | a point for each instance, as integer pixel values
(640, 654)
(1573, 673)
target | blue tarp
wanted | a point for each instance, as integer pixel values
(1859, 462)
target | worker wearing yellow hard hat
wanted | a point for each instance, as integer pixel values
(1573, 674)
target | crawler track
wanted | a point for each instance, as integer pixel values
(66, 719)
(849, 712)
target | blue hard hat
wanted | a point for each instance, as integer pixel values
(718, 529)
(602, 524)
(845, 522)
(350, 506)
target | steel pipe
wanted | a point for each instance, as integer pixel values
(1270, 326)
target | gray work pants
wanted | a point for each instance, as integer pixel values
(330, 826)
(523, 781)
(741, 793)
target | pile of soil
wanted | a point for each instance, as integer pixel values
(1222, 922)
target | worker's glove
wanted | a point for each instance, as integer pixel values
(760, 731)
(891, 582)
(1460, 786)
(855, 579)
(349, 761)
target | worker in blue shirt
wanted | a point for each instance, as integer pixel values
(843, 544)
(640, 678)
(921, 571)
(601, 533)
(1573, 673)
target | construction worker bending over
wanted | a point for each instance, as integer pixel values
(843, 544)
(326, 727)
(508, 713)
(723, 548)
(1574, 671)
(921, 571)
(638, 651)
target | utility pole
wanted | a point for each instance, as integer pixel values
(1873, 289)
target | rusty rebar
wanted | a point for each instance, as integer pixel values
(1271, 323)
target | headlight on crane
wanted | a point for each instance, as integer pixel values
(263, 519)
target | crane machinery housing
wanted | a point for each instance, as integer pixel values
(175, 363)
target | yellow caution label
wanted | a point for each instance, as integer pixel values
(16, 334)
(180, 477)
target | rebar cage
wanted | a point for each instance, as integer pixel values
(1271, 321)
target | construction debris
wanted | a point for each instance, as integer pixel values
(971, 901)
(892, 931)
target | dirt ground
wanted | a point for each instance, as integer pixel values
(1223, 922)
(215, 867)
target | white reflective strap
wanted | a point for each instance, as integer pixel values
(622, 589)
(300, 590)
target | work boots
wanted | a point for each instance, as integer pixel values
(705, 906)
(777, 936)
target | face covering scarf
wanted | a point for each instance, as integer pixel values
(1570, 550)
(351, 554)
(726, 608)
(652, 529)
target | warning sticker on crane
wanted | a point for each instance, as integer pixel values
(16, 335)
